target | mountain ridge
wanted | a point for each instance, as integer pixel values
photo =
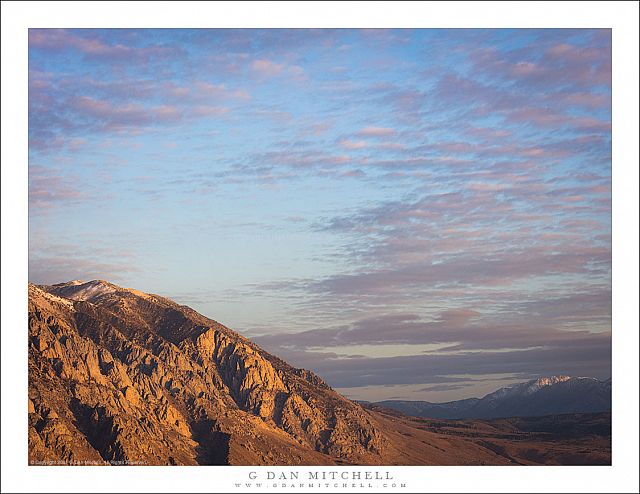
(550, 395)
(174, 348)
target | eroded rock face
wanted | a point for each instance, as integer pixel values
(116, 375)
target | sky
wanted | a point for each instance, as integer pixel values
(412, 214)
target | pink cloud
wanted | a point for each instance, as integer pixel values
(301, 159)
(545, 117)
(109, 115)
(61, 39)
(219, 91)
(392, 146)
(525, 69)
(376, 132)
(348, 144)
(488, 133)
(268, 69)
(588, 100)
(49, 187)
(319, 128)
(208, 111)
(488, 187)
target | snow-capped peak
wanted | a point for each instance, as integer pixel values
(527, 388)
(81, 290)
(542, 382)
(549, 381)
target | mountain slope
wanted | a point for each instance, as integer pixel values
(545, 396)
(140, 377)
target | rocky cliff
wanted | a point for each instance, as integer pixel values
(116, 375)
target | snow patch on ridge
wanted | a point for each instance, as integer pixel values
(85, 291)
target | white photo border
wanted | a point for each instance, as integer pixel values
(622, 17)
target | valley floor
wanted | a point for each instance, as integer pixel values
(574, 439)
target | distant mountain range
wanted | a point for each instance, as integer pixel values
(545, 396)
